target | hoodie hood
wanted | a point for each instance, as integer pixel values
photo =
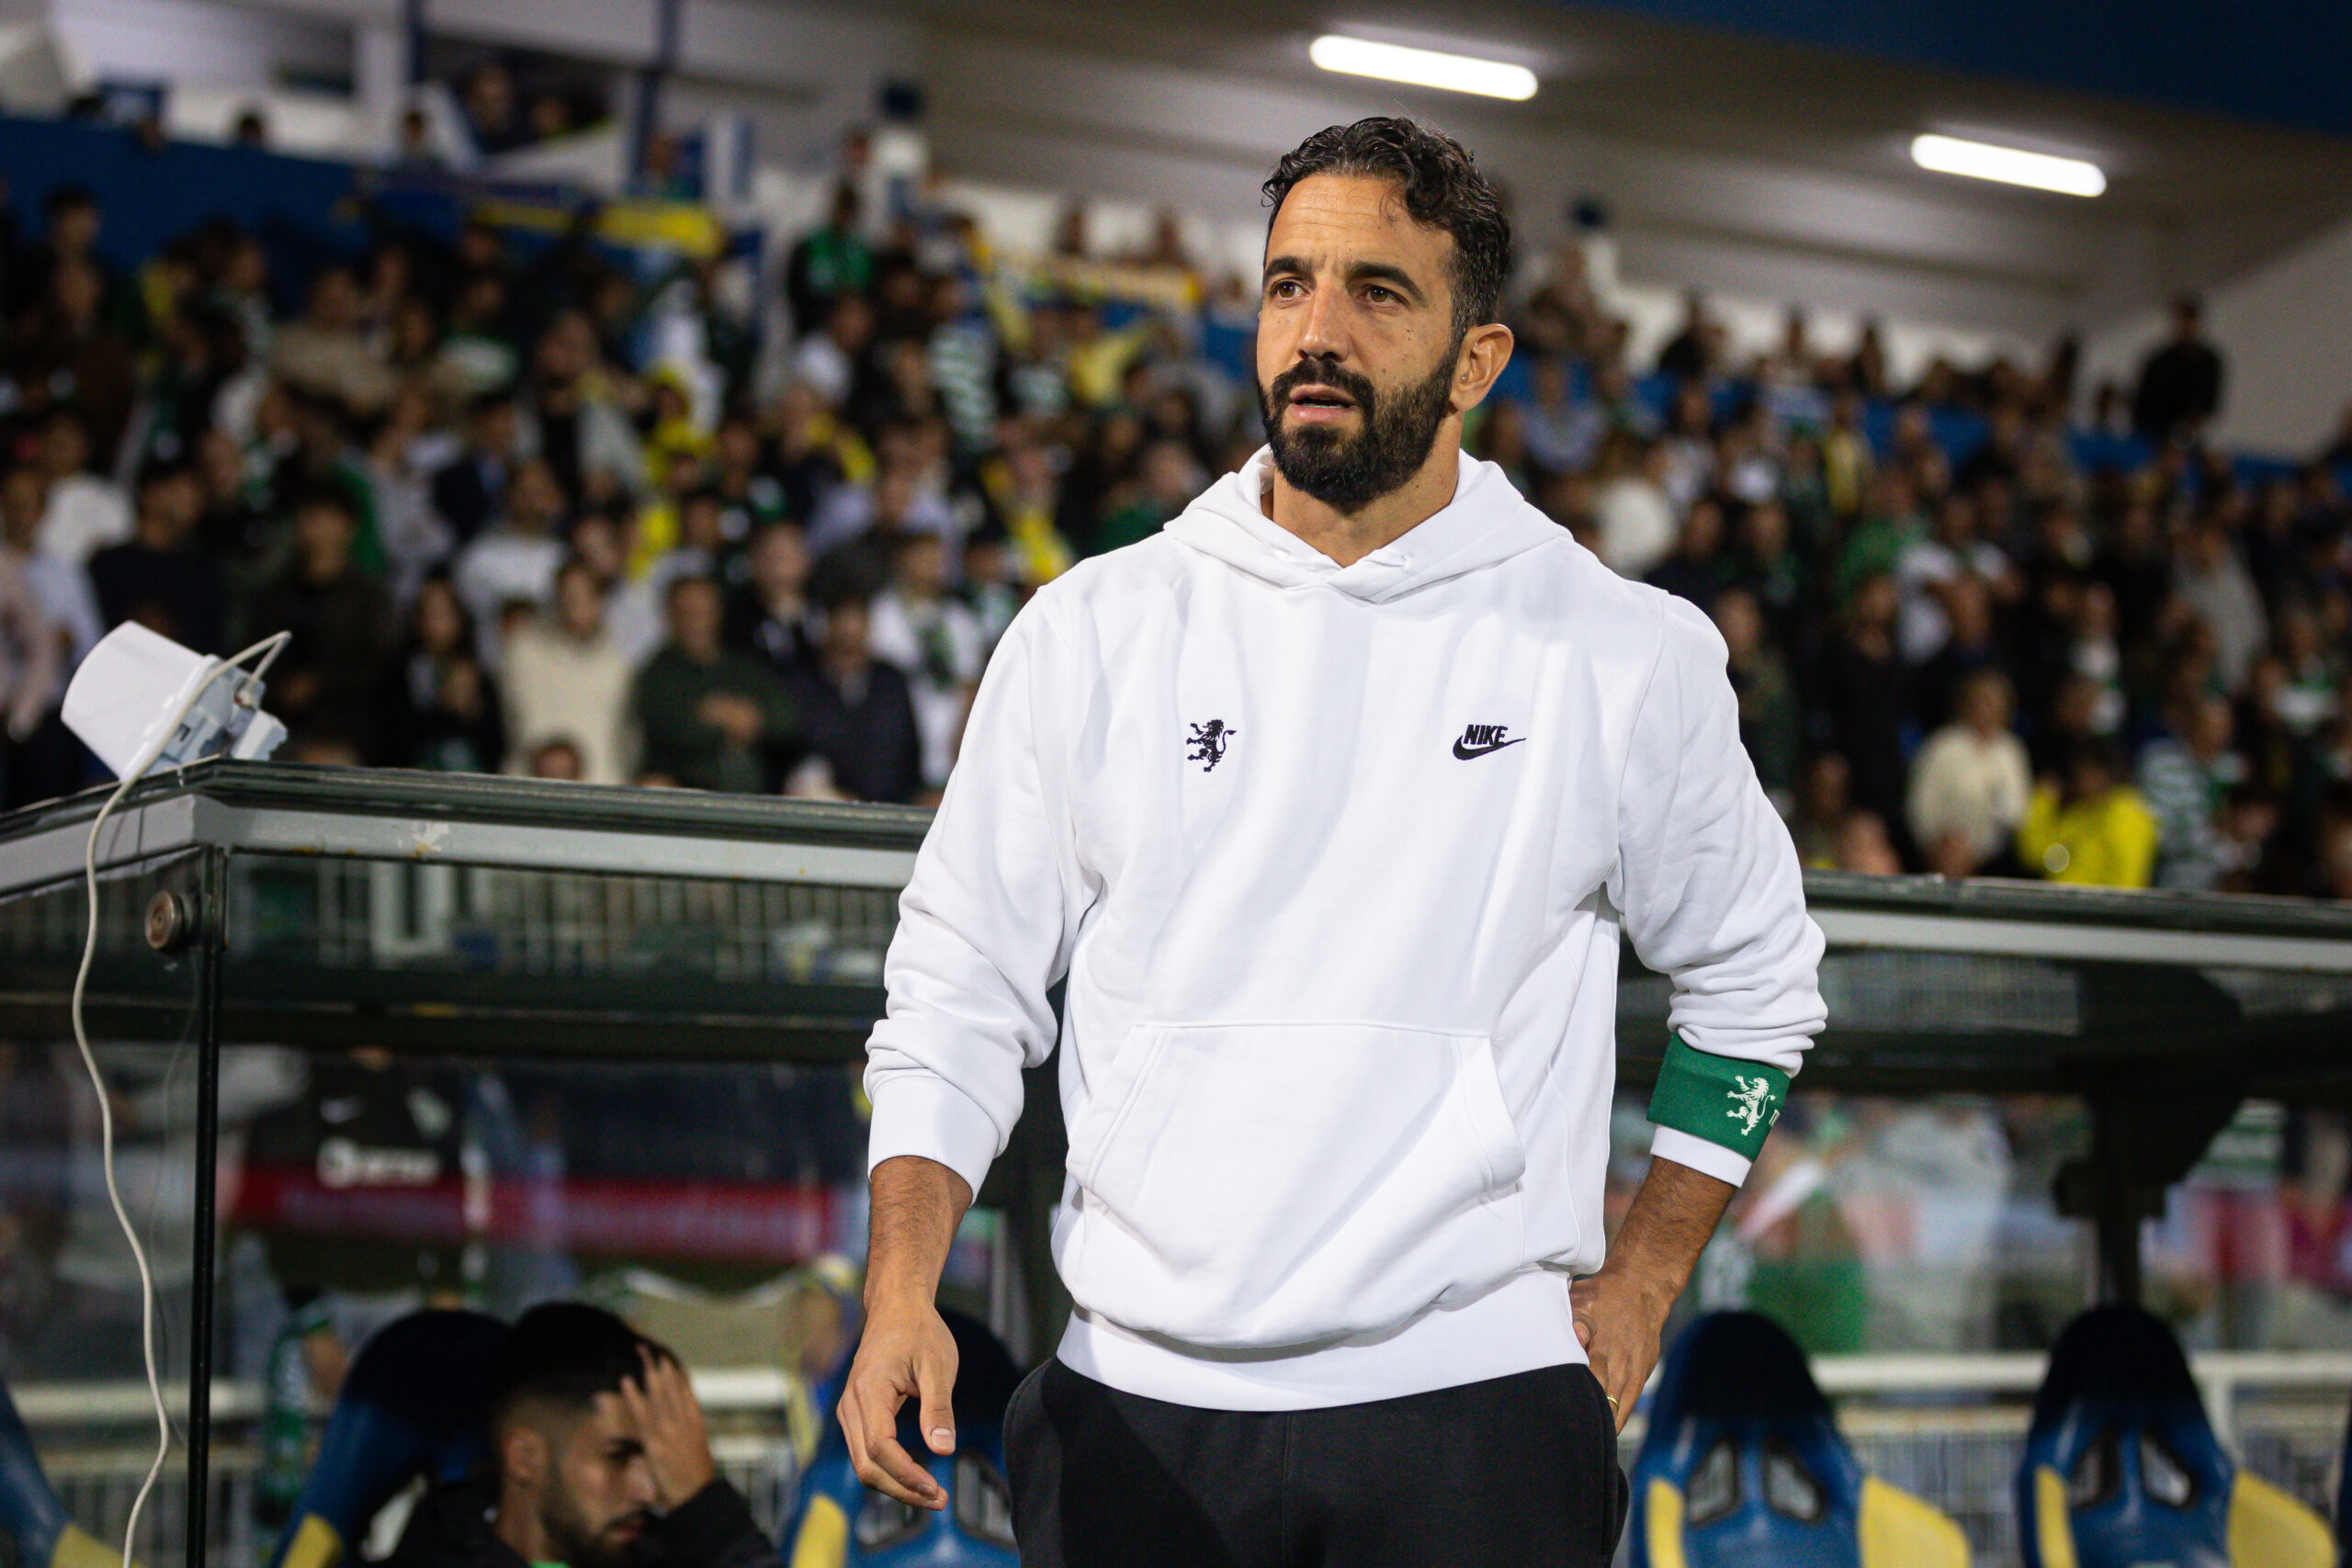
(1487, 522)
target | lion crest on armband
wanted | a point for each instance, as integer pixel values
(1749, 1096)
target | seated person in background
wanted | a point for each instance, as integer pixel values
(858, 718)
(2087, 825)
(935, 639)
(557, 758)
(1970, 783)
(83, 513)
(160, 577)
(1864, 847)
(326, 686)
(598, 1460)
(771, 614)
(517, 556)
(439, 709)
(2185, 777)
(710, 716)
(566, 676)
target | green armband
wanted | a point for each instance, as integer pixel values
(1721, 1099)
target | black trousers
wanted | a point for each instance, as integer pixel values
(1519, 1470)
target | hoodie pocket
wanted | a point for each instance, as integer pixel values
(1248, 1185)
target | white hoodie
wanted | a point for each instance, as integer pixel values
(1335, 861)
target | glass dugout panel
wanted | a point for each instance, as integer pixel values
(71, 1308)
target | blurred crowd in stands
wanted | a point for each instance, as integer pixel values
(1993, 622)
(1967, 636)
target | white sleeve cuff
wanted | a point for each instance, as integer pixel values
(915, 1113)
(1668, 1142)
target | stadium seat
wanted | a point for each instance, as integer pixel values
(1744, 1467)
(2344, 1498)
(32, 1518)
(2122, 1468)
(842, 1524)
(412, 1404)
(795, 1322)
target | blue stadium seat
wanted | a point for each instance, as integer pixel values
(842, 1524)
(413, 1404)
(1744, 1467)
(2122, 1468)
(32, 1518)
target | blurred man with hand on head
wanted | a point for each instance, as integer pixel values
(598, 1460)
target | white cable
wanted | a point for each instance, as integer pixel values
(269, 648)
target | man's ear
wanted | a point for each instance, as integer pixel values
(1485, 351)
(523, 1455)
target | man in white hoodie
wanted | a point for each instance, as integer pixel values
(1331, 802)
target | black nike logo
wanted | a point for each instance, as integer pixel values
(1482, 739)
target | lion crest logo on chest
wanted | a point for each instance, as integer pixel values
(1208, 742)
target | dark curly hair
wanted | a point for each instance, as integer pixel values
(1442, 188)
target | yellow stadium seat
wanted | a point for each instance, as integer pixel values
(2270, 1530)
(823, 1542)
(2053, 1532)
(1899, 1530)
(74, 1549)
(1664, 1522)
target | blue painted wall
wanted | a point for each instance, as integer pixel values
(2283, 61)
(300, 208)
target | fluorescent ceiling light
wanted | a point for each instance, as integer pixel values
(1981, 161)
(1422, 67)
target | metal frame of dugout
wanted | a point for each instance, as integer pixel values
(2162, 1013)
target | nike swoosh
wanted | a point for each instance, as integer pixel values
(1467, 753)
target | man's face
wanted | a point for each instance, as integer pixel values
(701, 524)
(598, 1485)
(334, 299)
(78, 292)
(65, 448)
(182, 496)
(1356, 346)
(596, 540)
(535, 500)
(851, 323)
(739, 444)
(494, 429)
(322, 534)
(695, 615)
(22, 499)
(920, 565)
(780, 561)
(74, 227)
(846, 626)
(579, 603)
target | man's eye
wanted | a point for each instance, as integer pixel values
(1284, 289)
(1378, 294)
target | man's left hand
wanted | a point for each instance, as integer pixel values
(1618, 1316)
(669, 1423)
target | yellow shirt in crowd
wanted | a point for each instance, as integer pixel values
(2108, 840)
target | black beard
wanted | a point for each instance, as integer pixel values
(1348, 473)
(583, 1546)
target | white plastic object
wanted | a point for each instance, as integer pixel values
(137, 685)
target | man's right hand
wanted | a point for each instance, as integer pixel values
(907, 1353)
(732, 715)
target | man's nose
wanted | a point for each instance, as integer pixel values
(1323, 333)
